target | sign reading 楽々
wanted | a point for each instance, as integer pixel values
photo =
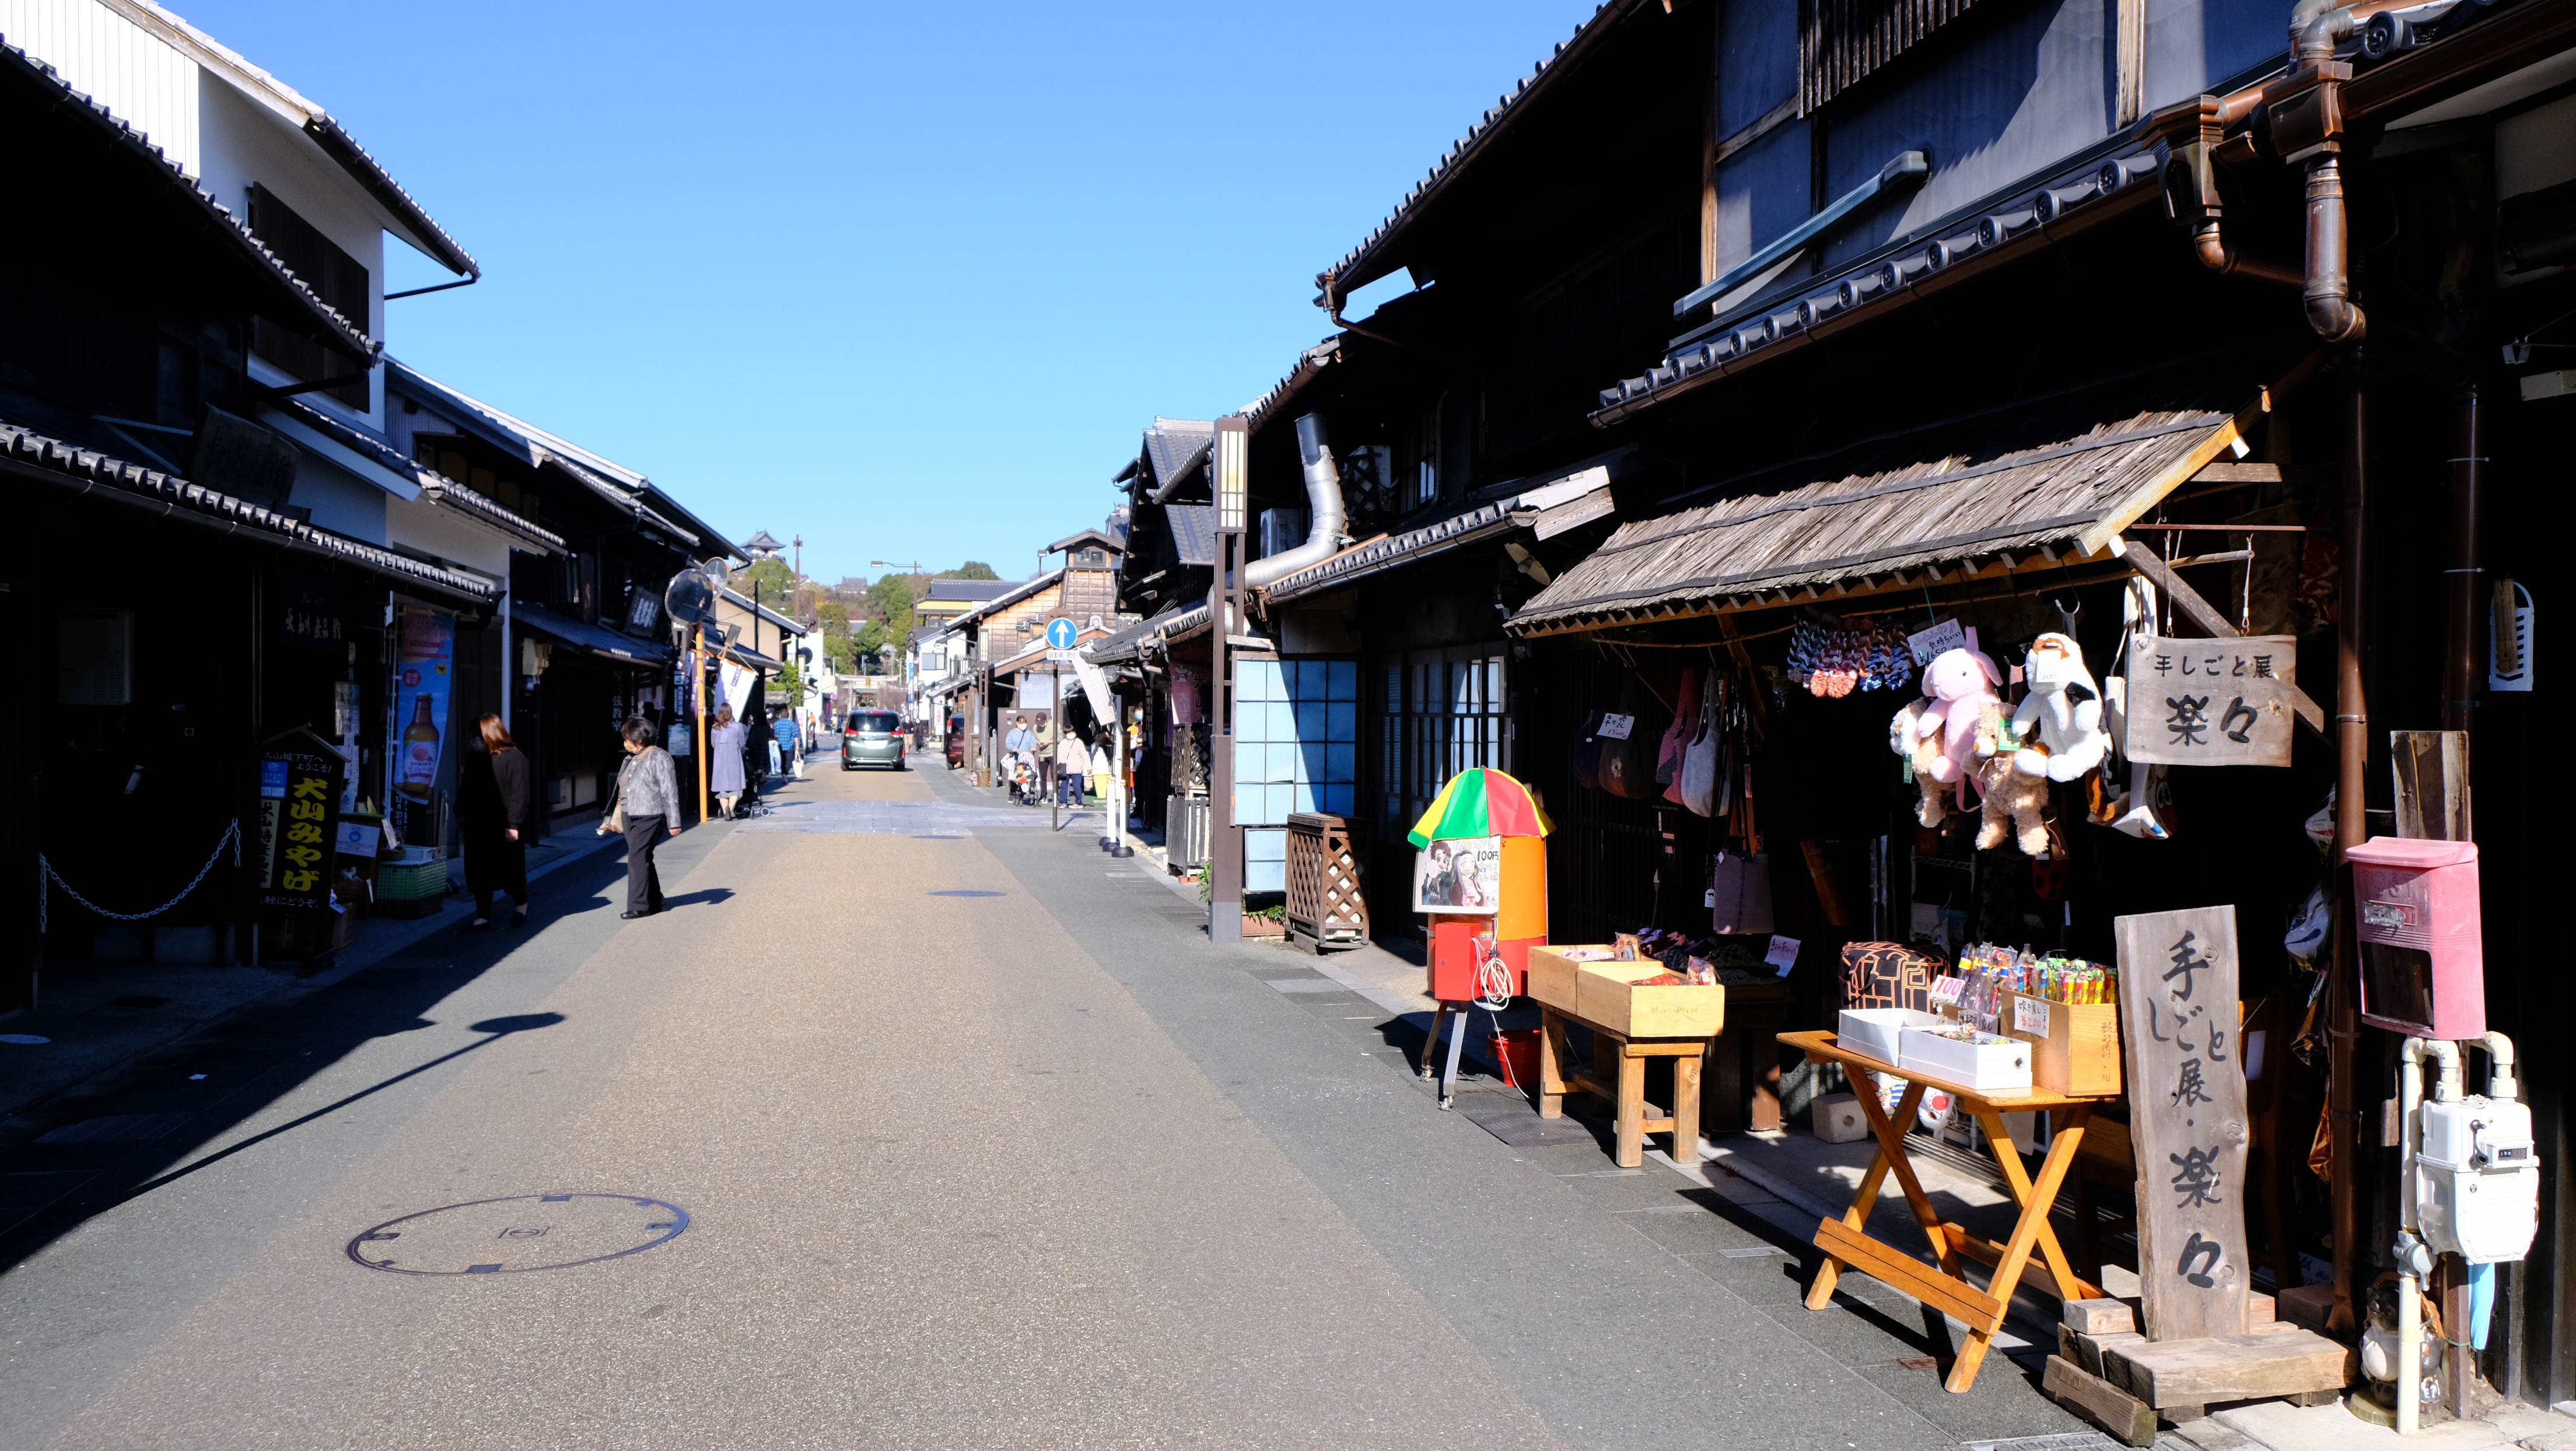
(2211, 702)
(2186, 1118)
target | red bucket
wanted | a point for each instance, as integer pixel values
(1517, 1050)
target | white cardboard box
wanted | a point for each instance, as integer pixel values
(1987, 1062)
(1873, 1031)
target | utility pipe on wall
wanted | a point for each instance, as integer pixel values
(2352, 755)
(1323, 498)
(2459, 654)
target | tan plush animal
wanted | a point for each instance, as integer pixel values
(2011, 796)
(1920, 748)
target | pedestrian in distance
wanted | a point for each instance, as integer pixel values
(724, 759)
(492, 801)
(788, 750)
(1072, 769)
(648, 808)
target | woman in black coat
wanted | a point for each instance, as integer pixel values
(492, 805)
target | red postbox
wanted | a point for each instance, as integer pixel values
(2423, 970)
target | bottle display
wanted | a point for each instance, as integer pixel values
(420, 752)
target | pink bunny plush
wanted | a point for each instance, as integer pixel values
(1965, 711)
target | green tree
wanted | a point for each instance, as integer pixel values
(840, 653)
(971, 569)
(775, 581)
(836, 618)
(891, 599)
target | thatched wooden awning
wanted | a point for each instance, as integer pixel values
(2048, 483)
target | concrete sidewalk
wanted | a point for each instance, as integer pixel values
(97, 1019)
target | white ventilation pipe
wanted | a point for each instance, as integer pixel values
(1325, 517)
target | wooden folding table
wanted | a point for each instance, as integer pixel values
(1846, 1242)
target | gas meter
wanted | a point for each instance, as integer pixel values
(2477, 1181)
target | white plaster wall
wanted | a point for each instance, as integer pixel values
(242, 143)
(341, 501)
(426, 528)
(115, 62)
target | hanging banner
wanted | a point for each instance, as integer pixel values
(1459, 877)
(2210, 702)
(299, 822)
(736, 686)
(424, 673)
(2187, 1117)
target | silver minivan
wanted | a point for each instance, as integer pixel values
(873, 738)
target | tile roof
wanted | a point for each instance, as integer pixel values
(2035, 482)
(621, 486)
(31, 454)
(351, 335)
(2104, 181)
(1174, 447)
(343, 148)
(1370, 260)
(436, 487)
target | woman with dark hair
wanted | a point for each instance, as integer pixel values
(648, 798)
(492, 813)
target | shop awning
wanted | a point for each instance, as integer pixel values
(599, 640)
(2040, 482)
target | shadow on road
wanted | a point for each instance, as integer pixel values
(112, 1140)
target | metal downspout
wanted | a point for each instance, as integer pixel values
(2352, 753)
(2316, 28)
(1323, 496)
(2460, 654)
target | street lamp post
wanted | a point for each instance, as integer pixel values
(1225, 593)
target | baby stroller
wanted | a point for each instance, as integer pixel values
(1023, 781)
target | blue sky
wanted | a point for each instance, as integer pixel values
(907, 279)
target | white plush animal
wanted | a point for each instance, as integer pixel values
(2060, 721)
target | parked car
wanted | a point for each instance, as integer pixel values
(957, 743)
(872, 738)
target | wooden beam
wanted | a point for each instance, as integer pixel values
(2128, 1419)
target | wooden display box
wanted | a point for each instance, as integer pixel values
(2074, 1047)
(1606, 993)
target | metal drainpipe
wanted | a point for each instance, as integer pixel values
(2460, 655)
(2316, 28)
(2352, 750)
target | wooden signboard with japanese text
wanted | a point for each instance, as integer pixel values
(2187, 1118)
(298, 826)
(2211, 702)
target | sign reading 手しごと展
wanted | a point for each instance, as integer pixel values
(2211, 702)
(2186, 1118)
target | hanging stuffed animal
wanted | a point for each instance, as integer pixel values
(2016, 797)
(1920, 748)
(1964, 710)
(2060, 721)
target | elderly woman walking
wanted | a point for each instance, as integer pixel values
(724, 758)
(648, 805)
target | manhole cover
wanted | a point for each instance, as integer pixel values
(524, 1232)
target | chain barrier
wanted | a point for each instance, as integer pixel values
(46, 874)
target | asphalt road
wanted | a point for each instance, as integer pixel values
(895, 1166)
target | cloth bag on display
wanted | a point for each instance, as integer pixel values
(1739, 886)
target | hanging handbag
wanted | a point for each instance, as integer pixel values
(1587, 752)
(1698, 783)
(1677, 736)
(1740, 890)
(612, 822)
(1628, 765)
